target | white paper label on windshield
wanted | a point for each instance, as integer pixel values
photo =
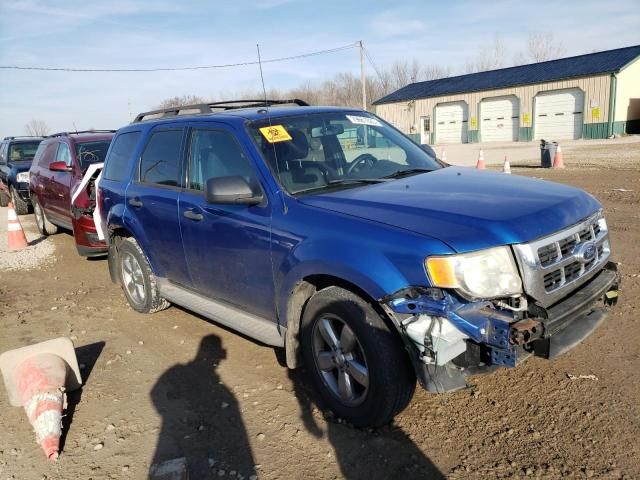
(364, 120)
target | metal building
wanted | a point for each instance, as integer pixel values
(588, 96)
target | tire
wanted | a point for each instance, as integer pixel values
(137, 279)
(45, 227)
(389, 383)
(4, 198)
(22, 207)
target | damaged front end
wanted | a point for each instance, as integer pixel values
(449, 337)
(85, 214)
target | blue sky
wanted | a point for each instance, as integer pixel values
(163, 33)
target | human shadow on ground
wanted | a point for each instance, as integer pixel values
(87, 356)
(367, 454)
(201, 419)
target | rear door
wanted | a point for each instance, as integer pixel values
(227, 247)
(152, 202)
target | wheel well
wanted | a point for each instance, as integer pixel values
(300, 295)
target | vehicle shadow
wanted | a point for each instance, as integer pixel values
(201, 419)
(87, 356)
(370, 454)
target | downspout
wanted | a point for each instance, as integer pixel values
(612, 103)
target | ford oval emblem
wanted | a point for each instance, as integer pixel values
(585, 252)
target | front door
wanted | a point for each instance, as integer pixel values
(227, 247)
(59, 182)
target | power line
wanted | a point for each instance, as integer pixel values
(375, 68)
(174, 69)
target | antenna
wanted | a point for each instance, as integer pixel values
(266, 104)
(74, 126)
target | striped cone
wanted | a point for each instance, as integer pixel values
(15, 235)
(481, 164)
(558, 160)
(506, 168)
(36, 377)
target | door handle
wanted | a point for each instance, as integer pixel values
(191, 215)
(135, 202)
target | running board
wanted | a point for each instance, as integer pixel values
(248, 324)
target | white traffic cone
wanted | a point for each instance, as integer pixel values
(36, 377)
(506, 168)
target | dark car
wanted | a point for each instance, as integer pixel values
(16, 154)
(56, 175)
(367, 259)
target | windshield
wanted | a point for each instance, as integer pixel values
(19, 152)
(317, 152)
(91, 152)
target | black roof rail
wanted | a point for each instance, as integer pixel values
(17, 137)
(66, 134)
(201, 108)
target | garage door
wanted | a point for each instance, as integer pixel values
(451, 122)
(499, 119)
(559, 114)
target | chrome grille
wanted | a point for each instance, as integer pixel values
(555, 265)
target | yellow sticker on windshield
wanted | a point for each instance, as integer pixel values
(275, 133)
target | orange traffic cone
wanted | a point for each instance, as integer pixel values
(36, 377)
(15, 234)
(506, 168)
(558, 161)
(481, 165)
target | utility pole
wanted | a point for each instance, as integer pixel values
(362, 77)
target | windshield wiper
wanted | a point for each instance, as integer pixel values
(409, 171)
(346, 181)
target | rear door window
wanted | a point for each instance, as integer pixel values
(117, 163)
(161, 161)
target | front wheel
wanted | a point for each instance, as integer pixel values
(137, 278)
(357, 365)
(22, 207)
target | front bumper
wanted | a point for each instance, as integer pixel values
(491, 336)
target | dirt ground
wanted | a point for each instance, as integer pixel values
(173, 384)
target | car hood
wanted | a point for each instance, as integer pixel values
(466, 208)
(21, 166)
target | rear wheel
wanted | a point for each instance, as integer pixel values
(45, 227)
(22, 207)
(137, 278)
(357, 365)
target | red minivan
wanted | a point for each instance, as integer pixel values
(56, 174)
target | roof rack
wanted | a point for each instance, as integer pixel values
(200, 108)
(22, 136)
(66, 134)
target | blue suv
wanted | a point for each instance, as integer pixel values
(329, 233)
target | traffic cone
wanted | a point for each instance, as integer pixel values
(15, 234)
(444, 156)
(36, 377)
(481, 165)
(558, 161)
(506, 168)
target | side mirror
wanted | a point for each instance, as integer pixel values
(231, 191)
(59, 167)
(427, 148)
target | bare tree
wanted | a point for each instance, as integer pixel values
(490, 57)
(181, 100)
(544, 46)
(37, 128)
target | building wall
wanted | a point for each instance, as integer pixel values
(404, 115)
(627, 109)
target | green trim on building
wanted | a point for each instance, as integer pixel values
(433, 138)
(415, 137)
(612, 104)
(472, 136)
(595, 130)
(629, 127)
(525, 134)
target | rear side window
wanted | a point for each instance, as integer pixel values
(3, 150)
(37, 159)
(161, 161)
(117, 163)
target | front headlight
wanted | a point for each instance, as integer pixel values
(484, 274)
(23, 177)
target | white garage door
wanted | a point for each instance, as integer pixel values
(559, 114)
(452, 122)
(499, 119)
